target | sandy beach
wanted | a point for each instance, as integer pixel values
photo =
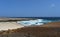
(9, 25)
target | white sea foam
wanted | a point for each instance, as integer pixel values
(33, 22)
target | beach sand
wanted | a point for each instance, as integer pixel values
(9, 25)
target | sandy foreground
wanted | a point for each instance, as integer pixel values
(9, 25)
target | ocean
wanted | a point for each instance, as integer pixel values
(38, 21)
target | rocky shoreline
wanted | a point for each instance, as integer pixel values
(36, 31)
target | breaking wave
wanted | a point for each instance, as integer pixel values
(35, 22)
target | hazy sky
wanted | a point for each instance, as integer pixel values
(30, 8)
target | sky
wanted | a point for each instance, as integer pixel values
(29, 8)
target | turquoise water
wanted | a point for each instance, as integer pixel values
(36, 22)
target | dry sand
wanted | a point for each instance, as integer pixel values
(9, 25)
